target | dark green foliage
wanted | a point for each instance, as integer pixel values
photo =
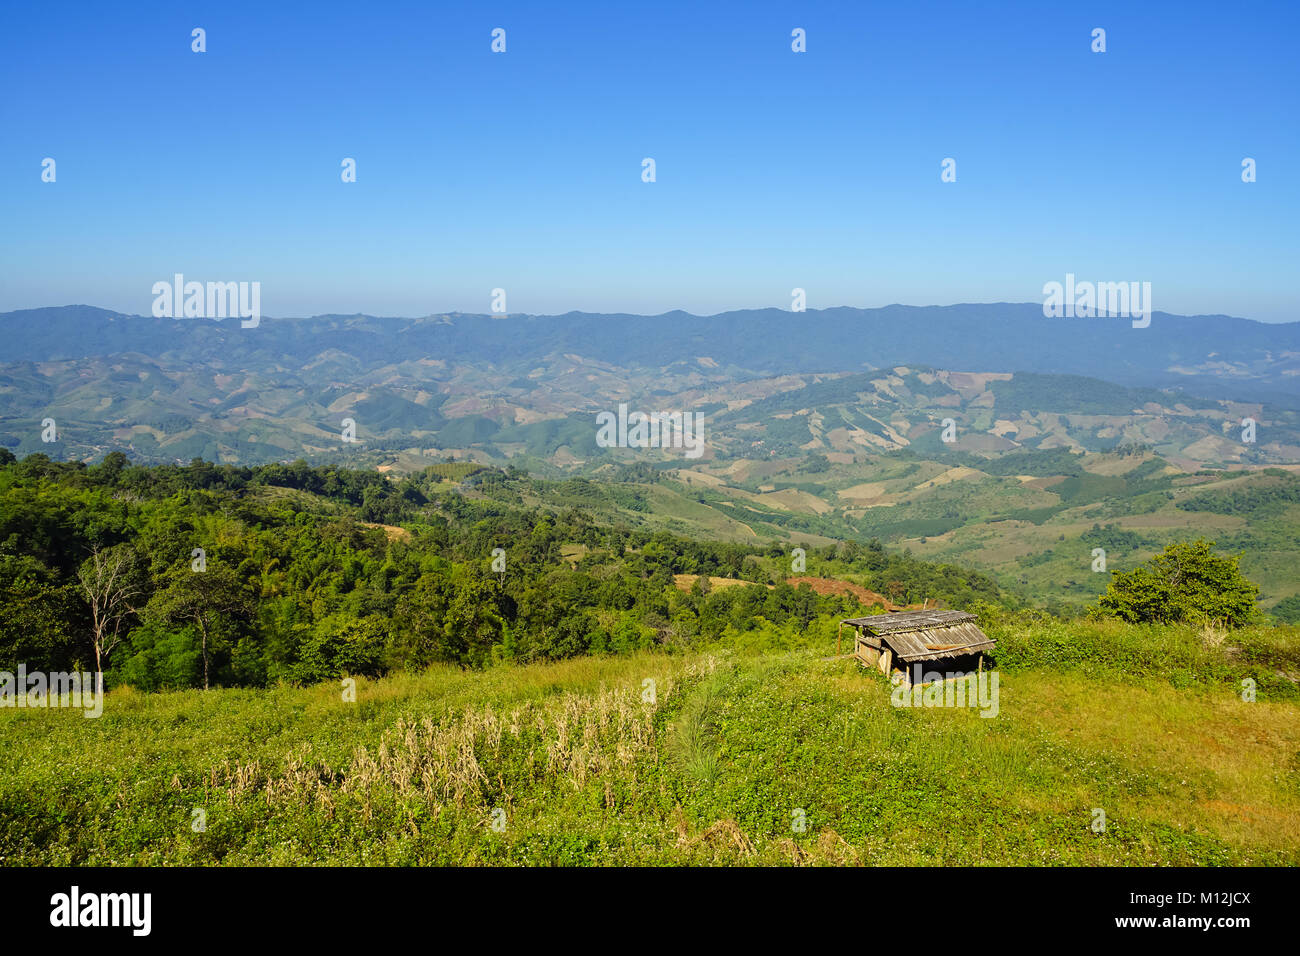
(815, 463)
(341, 647)
(1186, 582)
(296, 587)
(1288, 609)
(905, 521)
(1033, 515)
(1259, 498)
(1111, 538)
(1071, 394)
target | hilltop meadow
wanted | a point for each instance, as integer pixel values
(376, 693)
(742, 755)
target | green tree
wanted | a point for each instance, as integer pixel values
(215, 601)
(344, 647)
(1187, 582)
(37, 611)
(473, 623)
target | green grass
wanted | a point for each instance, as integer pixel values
(736, 746)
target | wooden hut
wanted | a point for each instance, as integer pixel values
(914, 642)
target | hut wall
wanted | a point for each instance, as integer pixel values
(867, 654)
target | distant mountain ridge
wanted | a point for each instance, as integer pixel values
(771, 383)
(1213, 356)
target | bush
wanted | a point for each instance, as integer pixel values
(354, 647)
(1187, 582)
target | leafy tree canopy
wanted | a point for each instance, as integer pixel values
(1187, 582)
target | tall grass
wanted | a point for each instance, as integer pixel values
(573, 763)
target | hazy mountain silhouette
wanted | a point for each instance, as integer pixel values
(1211, 355)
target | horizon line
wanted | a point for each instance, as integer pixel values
(115, 313)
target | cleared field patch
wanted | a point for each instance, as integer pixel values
(960, 473)
(867, 493)
(676, 511)
(833, 586)
(573, 553)
(393, 532)
(691, 476)
(792, 499)
(1192, 520)
(684, 582)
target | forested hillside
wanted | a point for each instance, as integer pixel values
(251, 576)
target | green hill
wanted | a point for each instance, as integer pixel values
(744, 756)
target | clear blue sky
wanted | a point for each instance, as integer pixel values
(775, 169)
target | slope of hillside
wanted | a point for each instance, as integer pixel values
(1032, 520)
(772, 758)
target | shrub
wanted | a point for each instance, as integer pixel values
(1187, 582)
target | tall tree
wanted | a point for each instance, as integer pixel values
(113, 583)
(214, 601)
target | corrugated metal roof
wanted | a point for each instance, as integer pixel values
(926, 635)
(909, 620)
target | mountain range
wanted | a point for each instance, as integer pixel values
(171, 389)
(982, 434)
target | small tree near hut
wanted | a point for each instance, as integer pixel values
(1186, 583)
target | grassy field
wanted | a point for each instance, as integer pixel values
(569, 764)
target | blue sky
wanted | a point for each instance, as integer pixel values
(775, 169)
